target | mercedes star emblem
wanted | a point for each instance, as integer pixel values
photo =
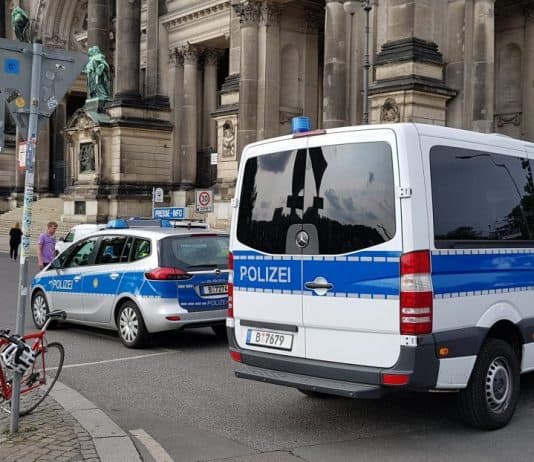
(302, 239)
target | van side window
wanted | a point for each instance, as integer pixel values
(480, 196)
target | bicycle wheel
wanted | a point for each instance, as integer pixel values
(45, 372)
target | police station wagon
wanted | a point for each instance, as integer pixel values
(391, 257)
(138, 281)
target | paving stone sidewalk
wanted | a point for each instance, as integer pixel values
(50, 433)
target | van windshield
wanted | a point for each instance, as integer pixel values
(344, 193)
(194, 252)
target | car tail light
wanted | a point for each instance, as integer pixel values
(416, 297)
(168, 274)
(230, 285)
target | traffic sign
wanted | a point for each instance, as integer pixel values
(158, 195)
(59, 69)
(171, 213)
(204, 200)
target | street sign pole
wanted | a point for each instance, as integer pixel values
(27, 219)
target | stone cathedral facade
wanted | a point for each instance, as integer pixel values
(198, 77)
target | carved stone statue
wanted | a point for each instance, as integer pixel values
(21, 24)
(390, 111)
(87, 157)
(98, 74)
(228, 141)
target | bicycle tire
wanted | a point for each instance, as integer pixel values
(51, 361)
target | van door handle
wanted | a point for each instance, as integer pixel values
(114, 275)
(319, 285)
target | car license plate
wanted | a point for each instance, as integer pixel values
(278, 340)
(215, 289)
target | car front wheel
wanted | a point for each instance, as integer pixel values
(39, 309)
(131, 327)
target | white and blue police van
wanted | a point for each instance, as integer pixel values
(138, 280)
(391, 257)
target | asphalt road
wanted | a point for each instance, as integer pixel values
(180, 397)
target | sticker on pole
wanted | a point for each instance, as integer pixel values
(204, 200)
(22, 155)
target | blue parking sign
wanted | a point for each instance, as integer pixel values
(170, 213)
(11, 66)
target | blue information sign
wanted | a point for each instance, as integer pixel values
(172, 213)
(11, 66)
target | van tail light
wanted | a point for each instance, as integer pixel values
(168, 274)
(416, 297)
(230, 286)
(236, 356)
(395, 379)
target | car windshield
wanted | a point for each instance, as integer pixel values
(194, 252)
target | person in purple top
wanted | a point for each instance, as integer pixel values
(47, 245)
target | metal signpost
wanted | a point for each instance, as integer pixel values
(32, 81)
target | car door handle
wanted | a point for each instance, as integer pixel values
(318, 285)
(114, 275)
(77, 278)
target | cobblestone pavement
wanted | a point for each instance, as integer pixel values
(50, 433)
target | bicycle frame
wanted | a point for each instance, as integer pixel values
(6, 388)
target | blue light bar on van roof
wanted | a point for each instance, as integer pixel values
(300, 124)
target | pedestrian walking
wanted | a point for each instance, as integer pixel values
(15, 236)
(46, 245)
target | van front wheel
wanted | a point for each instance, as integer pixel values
(490, 399)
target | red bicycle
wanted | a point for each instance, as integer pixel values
(38, 361)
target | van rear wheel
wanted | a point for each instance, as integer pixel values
(490, 399)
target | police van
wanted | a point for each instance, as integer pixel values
(391, 257)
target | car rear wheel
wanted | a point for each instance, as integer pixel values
(490, 399)
(131, 327)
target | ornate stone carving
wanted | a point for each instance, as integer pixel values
(389, 112)
(313, 22)
(21, 24)
(270, 14)
(190, 53)
(176, 57)
(98, 74)
(180, 19)
(87, 157)
(249, 12)
(508, 119)
(56, 42)
(228, 140)
(212, 56)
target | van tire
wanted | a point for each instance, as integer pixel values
(130, 325)
(490, 399)
(315, 394)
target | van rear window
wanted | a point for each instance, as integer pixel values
(343, 193)
(480, 196)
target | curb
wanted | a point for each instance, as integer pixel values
(111, 442)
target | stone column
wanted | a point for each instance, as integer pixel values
(313, 23)
(269, 71)
(335, 66)
(483, 74)
(2, 19)
(177, 66)
(249, 15)
(209, 132)
(59, 121)
(98, 14)
(189, 146)
(528, 90)
(127, 52)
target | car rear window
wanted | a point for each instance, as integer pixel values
(345, 193)
(194, 252)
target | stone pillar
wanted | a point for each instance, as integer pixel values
(127, 52)
(312, 87)
(483, 73)
(98, 14)
(269, 71)
(335, 66)
(59, 168)
(528, 90)
(2, 19)
(189, 146)
(249, 15)
(209, 132)
(177, 72)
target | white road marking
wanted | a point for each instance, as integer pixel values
(154, 448)
(104, 361)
